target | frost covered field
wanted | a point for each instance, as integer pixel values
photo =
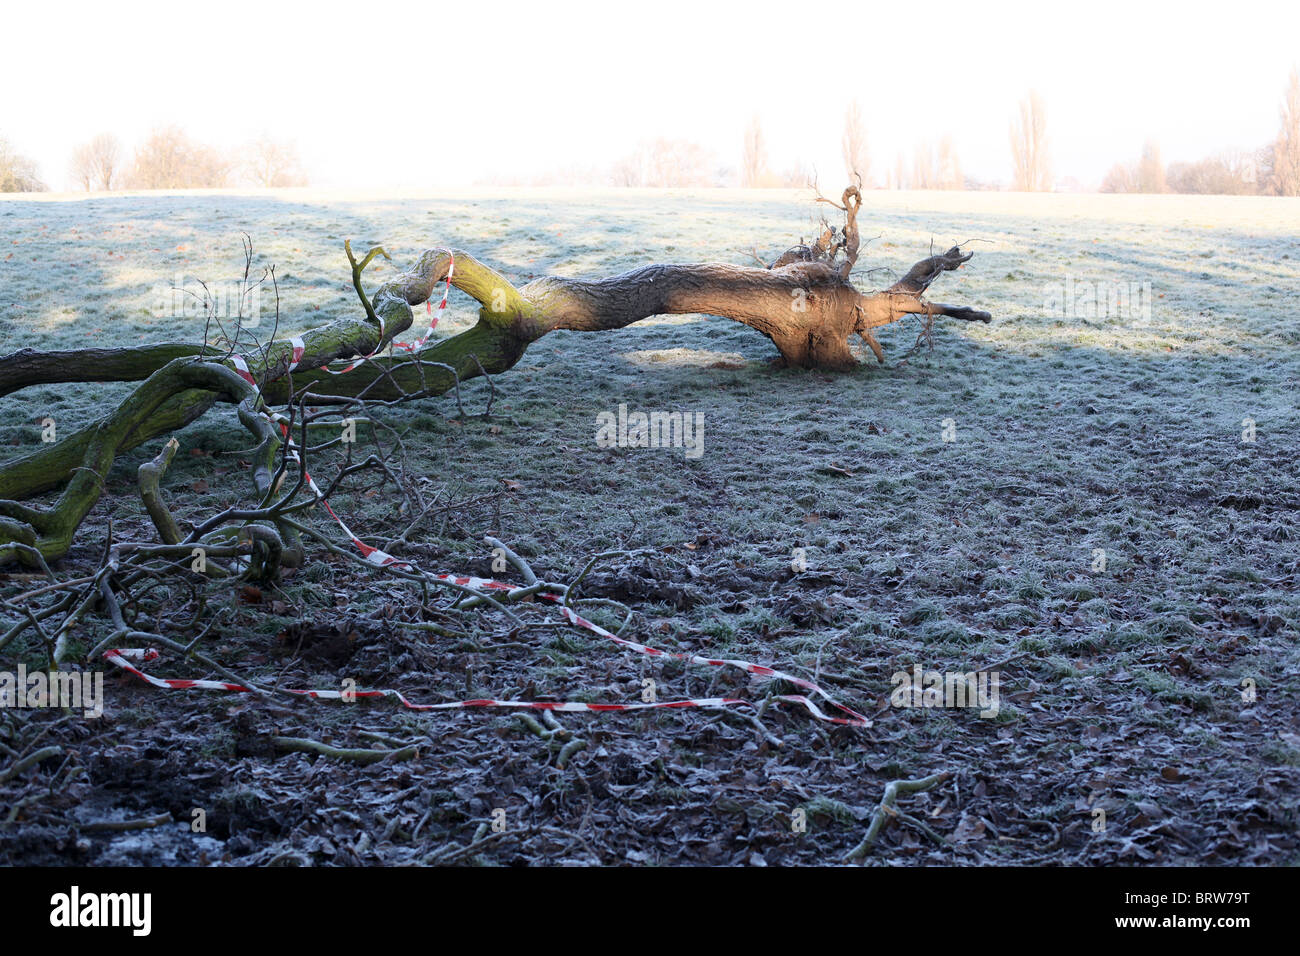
(1102, 509)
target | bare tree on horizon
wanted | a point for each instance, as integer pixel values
(17, 173)
(273, 163)
(97, 164)
(1029, 146)
(753, 166)
(169, 159)
(857, 160)
(924, 174)
(1285, 177)
(1231, 173)
(665, 163)
(1151, 170)
(1120, 178)
(948, 170)
(900, 172)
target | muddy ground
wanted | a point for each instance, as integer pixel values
(1148, 709)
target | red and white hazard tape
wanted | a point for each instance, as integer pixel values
(122, 659)
(853, 719)
(404, 346)
(379, 558)
(428, 305)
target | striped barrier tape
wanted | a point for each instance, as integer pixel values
(122, 658)
(406, 346)
(484, 585)
(428, 305)
(379, 558)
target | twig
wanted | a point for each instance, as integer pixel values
(886, 809)
(572, 747)
(530, 578)
(45, 753)
(143, 823)
(356, 754)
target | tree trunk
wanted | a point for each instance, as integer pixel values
(804, 303)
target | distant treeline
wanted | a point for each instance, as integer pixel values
(1270, 170)
(169, 159)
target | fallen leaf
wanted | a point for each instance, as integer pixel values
(969, 829)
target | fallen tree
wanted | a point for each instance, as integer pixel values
(803, 302)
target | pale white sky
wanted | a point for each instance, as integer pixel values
(392, 93)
